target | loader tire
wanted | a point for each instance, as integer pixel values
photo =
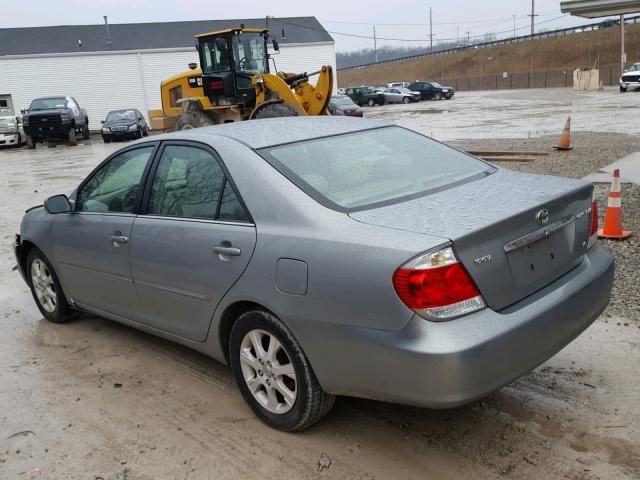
(189, 120)
(274, 110)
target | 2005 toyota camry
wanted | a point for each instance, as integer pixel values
(326, 256)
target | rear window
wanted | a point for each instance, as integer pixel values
(363, 169)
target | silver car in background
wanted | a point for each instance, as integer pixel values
(400, 95)
(11, 132)
(324, 256)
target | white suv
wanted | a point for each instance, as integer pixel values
(630, 78)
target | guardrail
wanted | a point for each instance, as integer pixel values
(524, 38)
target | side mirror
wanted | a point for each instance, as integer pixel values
(276, 47)
(23, 111)
(102, 122)
(57, 204)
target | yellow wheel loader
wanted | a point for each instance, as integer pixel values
(233, 84)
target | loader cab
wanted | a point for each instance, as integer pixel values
(229, 59)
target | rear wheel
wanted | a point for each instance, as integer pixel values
(189, 120)
(46, 289)
(273, 110)
(85, 130)
(31, 144)
(273, 373)
(73, 140)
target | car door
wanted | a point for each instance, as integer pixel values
(193, 241)
(91, 244)
(394, 95)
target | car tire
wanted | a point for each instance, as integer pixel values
(140, 133)
(438, 96)
(73, 139)
(406, 99)
(46, 289)
(30, 142)
(85, 131)
(249, 345)
(623, 89)
(106, 139)
(145, 132)
(371, 102)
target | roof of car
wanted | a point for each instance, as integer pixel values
(275, 131)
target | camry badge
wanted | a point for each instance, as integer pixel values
(542, 217)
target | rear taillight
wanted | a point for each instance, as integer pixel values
(436, 286)
(593, 234)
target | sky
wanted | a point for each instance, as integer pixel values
(405, 20)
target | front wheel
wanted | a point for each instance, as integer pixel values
(438, 96)
(106, 139)
(371, 102)
(31, 144)
(274, 375)
(623, 89)
(46, 289)
(406, 99)
(73, 140)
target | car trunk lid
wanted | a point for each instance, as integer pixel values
(497, 228)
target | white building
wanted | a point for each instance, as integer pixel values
(122, 67)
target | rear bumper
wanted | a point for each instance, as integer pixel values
(446, 364)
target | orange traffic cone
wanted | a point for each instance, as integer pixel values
(613, 216)
(565, 138)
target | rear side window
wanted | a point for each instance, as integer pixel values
(361, 169)
(190, 183)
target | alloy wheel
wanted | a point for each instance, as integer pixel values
(268, 371)
(43, 285)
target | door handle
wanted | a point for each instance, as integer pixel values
(225, 248)
(118, 240)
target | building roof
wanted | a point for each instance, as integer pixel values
(147, 36)
(599, 8)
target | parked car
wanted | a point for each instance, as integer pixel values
(11, 132)
(341, 91)
(58, 118)
(432, 90)
(365, 96)
(630, 78)
(124, 125)
(400, 95)
(343, 105)
(398, 84)
(323, 256)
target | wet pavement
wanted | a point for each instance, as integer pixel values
(93, 399)
(517, 113)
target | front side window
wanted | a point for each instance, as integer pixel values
(114, 187)
(217, 57)
(190, 183)
(358, 170)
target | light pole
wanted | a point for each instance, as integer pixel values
(514, 25)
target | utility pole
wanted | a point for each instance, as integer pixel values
(514, 25)
(457, 36)
(623, 55)
(468, 38)
(430, 31)
(375, 44)
(533, 16)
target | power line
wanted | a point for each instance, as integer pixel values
(496, 20)
(368, 37)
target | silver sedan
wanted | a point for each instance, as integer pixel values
(326, 256)
(400, 95)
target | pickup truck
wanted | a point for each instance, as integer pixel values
(54, 118)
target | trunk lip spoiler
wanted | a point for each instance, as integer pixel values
(538, 234)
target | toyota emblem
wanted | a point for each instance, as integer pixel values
(542, 217)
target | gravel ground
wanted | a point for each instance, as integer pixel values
(592, 150)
